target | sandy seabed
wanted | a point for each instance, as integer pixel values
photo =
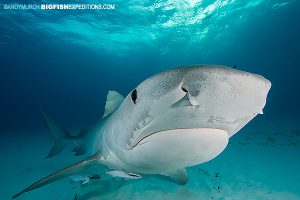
(261, 162)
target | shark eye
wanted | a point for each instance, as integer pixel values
(134, 96)
(183, 89)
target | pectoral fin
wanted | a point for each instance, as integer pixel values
(68, 171)
(178, 176)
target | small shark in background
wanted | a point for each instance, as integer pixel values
(175, 119)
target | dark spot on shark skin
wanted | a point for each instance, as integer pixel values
(183, 89)
(134, 96)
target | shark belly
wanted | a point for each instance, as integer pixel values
(170, 150)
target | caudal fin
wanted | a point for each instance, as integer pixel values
(60, 135)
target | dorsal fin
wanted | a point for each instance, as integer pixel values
(113, 101)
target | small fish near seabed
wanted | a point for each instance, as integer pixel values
(173, 120)
(122, 174)
(83, 178)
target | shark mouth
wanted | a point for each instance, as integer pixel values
(149, 126)
(144, 130)
(139, 141)
(138, 133)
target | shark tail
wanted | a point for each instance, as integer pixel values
(60, 135)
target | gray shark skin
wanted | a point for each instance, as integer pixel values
(175, 119)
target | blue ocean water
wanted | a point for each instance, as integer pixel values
(65, 61)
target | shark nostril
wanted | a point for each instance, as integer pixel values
(183, 89)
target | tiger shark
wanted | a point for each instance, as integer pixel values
(173, 120)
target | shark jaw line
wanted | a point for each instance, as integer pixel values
(138, 131)
(140, 141)
(139, 134)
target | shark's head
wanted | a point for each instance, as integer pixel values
(185, 116)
